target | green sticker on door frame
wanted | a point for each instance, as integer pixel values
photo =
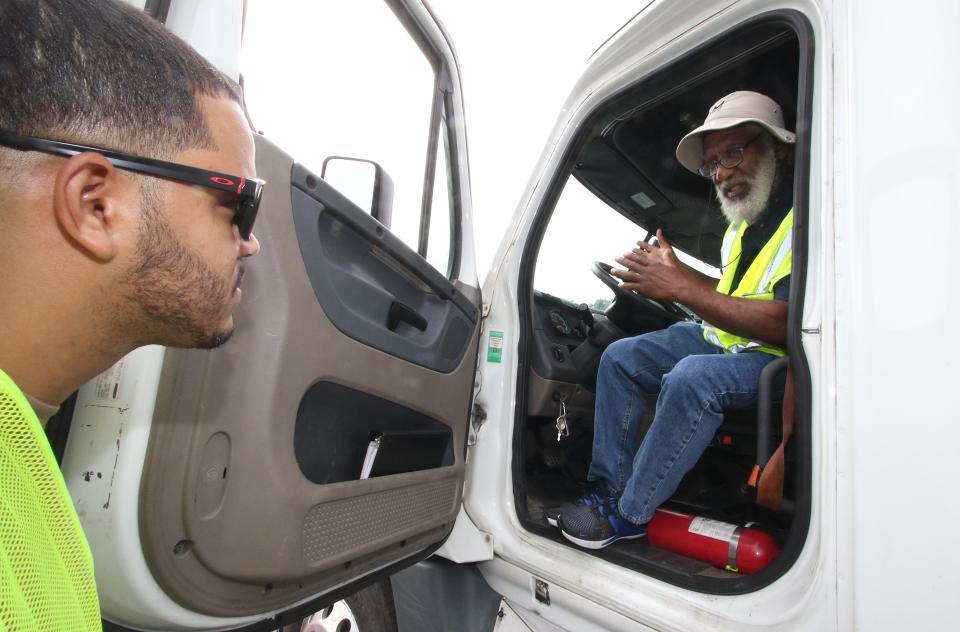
(495, 347)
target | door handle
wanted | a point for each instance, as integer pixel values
(400, 313)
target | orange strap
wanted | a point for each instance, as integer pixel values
(770, 486)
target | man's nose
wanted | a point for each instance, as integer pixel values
(249, 246)
(723, 173)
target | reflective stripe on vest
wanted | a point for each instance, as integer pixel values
(46, 570)
(771, 264)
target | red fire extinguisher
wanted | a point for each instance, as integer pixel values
(722, 544)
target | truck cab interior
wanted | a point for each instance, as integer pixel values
(622, 183)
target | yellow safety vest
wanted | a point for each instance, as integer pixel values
(771, 264)
(46, 569)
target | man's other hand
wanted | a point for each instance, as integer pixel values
(659, 251)
(652, 270)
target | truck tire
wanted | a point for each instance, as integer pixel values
(369, 610)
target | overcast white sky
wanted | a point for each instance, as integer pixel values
(340, 78)
(519, 61)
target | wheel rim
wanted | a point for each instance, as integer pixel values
(337, 618)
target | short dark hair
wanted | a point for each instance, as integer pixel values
(103, 73)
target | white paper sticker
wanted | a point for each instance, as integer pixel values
(108, 382)
(644, 200)
(712, 529)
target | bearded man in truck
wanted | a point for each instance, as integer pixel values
(697, 370)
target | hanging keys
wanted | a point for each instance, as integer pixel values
(562, 430)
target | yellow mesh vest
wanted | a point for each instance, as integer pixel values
(772, 263)
(46, 570)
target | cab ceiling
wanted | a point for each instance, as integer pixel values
(629, 159)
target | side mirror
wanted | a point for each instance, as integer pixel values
(364, 182)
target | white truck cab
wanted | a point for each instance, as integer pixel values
(227, 489)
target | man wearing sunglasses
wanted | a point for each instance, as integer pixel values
(697, 371)
(127, 200)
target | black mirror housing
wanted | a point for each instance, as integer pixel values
(364, 182)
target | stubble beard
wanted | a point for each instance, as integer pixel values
(761, 185)
(181, 298)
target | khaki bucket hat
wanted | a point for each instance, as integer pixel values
(734, 109)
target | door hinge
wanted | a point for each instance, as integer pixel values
(541, 591)
(477, 418)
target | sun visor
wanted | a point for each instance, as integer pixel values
(607, 175)
(690, 223)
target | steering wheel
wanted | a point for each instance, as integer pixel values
(666, 310)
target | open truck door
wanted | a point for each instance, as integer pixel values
(222, 490)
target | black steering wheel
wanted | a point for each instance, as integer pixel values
(665, 310)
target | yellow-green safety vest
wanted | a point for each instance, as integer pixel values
(771, 264)
(46, 569)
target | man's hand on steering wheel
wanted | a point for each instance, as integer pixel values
(653, 271)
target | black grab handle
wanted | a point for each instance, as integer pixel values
(764, 406)
(400, 313)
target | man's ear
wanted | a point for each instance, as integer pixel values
(784, 152)
(88, 197)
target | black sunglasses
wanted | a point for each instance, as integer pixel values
(246, 190)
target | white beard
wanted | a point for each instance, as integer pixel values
(749, 208)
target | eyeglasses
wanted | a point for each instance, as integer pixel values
(728, 159)
(246, 190)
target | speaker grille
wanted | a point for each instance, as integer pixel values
(354, 526)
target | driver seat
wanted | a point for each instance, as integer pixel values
(746, 464)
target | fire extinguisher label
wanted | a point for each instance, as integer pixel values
(712, 528)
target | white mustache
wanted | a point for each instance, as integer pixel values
(729, 184)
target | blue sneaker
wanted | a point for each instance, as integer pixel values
(598, 525)
(552, 514)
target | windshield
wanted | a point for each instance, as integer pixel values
(584, 229)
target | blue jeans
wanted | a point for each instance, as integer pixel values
(696, 382)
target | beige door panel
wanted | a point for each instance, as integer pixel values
(230, 523)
